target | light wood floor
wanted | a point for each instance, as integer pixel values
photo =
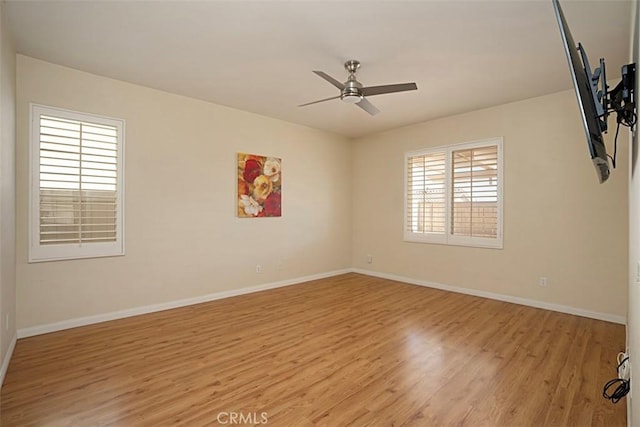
(347, 351)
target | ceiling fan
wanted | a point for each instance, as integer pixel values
(353, 92)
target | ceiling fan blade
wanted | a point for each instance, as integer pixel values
(379, 90)
(330, 79)
(322, 100)
(368, 107)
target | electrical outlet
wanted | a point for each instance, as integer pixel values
(369, 259)
(258, 268)
(543, 282)
(624, 367)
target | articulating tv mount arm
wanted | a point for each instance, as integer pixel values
(621, 100)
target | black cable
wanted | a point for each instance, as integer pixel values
(621, 390)
(626, 118)
(615, 147)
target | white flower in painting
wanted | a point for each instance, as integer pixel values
(251, 207)
(272, 168)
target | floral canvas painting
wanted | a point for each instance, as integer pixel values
(259, 186)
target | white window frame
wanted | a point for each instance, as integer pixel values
(68, 251)
(447, 238)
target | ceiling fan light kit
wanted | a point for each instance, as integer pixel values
(351, 98)
(352, 91)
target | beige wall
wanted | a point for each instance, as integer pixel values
(558, 221)
(182, 237)
(342, 201)
(7, 191)
(633, 321)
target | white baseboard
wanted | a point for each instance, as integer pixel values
(89, 320)
(500, 297)
(7, 359)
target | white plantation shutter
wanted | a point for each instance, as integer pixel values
(426, 193)
(453, 195)
(77, 194)
(474, 208)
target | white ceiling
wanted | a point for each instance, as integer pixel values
(258, 55)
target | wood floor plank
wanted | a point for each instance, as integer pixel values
(349, 350)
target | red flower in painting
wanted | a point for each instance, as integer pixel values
(252, 169)
(272, 205)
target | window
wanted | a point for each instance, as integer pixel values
(77, 193)
(453, 195)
